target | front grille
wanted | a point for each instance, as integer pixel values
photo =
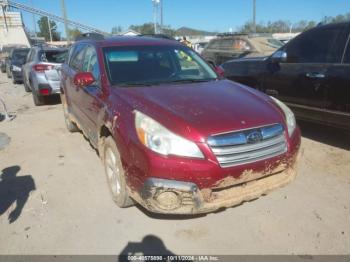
(248, 146)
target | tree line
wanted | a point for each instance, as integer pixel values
(279, 26)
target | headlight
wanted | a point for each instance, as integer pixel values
(159, 139)
(290, 118)
(16, 68)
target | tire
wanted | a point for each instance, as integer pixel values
(115, 173)
(38, 100)
(26, 87)
(14, 81)
(71, 126)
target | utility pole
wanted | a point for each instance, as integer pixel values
(254, 16)
(48, 23)
(155, 15)
(33, 16)
(161, 16)
(64, 14)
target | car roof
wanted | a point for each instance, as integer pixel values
(131, 40)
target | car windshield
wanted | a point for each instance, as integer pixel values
(53, 56)
(151, 65)
(275, 43)
(20, 54)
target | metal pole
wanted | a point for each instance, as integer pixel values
(33, 16)
(254, 16)
(161, 16)
(48, 23)
(155, 15)
(5, 19)
(64, 14)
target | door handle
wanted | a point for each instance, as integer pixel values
(316, 75)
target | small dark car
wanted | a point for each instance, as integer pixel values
(173, 135)
(14, 64)
(311, 74)
(228, 47)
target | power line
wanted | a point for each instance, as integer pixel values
(54, 17)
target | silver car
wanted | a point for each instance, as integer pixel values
(41, 72)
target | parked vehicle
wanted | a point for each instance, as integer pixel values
(228, 47)
(199, 46)
(4, 53)
(172, 135)
(14, 62)
(311, 74)
(41, 72)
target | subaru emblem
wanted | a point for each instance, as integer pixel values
(254, 137)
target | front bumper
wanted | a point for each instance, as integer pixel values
(17, 75)
(186, 198)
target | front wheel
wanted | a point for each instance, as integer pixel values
(71, 126)
(115, 173)
(26, 87)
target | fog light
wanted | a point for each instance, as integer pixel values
(168, 200)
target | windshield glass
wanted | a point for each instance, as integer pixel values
(54, 56)
(20, 54)
(147, 65)
(275, 43)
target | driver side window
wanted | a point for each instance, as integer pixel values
(317, 46)
(90, 62)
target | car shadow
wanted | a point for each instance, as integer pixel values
(53, 100)
(324, 134)
(14, 189)
(149, 246)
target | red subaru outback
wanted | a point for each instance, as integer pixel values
(173, 135)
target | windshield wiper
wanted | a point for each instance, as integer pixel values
(192, 80)
(133, 84)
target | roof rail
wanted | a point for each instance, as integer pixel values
(160, 36)
(90, 36)
(230, 34)
(243, 34)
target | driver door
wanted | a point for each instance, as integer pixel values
(302, 80)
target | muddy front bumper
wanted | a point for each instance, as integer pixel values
(176, 197)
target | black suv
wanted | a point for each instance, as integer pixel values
(311, 74)
(14, 62)
(232, 46)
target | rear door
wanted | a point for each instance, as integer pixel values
(27, 66)
(338, 95)
(211, 52)
(302, 81)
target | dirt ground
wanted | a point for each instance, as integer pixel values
(69, 209)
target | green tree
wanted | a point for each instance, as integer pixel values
(116, 30)
(73, 33)
(147, 28)
(44, 29)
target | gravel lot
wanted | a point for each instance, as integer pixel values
(69, 209)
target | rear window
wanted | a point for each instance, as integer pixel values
(54, 56)
(19, 54)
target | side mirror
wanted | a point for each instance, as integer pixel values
(83, 79)
(279, 57)
(220, 71)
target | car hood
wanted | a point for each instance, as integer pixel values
(199, 110)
